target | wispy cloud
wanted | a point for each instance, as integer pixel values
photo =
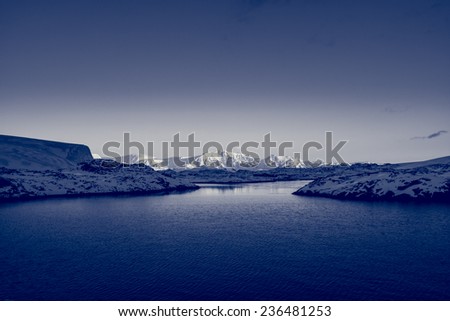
(433, 135)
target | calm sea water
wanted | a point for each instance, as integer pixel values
(245, 242)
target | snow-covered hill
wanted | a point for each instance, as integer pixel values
(436, 162)
(36, 154)
(421, 181)
(95, 177)
(32, 168)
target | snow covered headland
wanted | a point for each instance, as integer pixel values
(32, 168)
(419, 181)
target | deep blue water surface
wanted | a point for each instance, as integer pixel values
(244, 242)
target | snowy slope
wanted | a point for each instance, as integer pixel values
(95, 177)
(32, 168)
(437, 162)
(36, 154)
(421, 181)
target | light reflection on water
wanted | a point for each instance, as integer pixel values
(252, 188)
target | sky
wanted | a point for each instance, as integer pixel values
(375, 73)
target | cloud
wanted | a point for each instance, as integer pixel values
(433, 135)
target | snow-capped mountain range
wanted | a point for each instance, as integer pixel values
(227, 160)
